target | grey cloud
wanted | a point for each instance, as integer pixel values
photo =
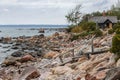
(45, 11)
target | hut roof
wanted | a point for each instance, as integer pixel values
(102, 19)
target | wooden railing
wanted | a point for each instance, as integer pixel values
(80, 52)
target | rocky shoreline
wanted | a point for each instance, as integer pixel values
(36, 58)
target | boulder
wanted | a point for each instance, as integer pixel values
(52, 77)
(17, 54)
(7, 39)
(56, 34)
(15, 47)
(82, 59)
(51, 54)
(26, 58)
(104, 43)
(9, 61)
(2, 74)
(101, 75)
(41, 31)
(45, 75)
(89, 77)
(113, 74)
(118, 63)
(96, 61)
(60, 70)
(29, 73)
(41, 36)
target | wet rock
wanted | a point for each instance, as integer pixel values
(27, 58)
(113, 74)
(56, 34)
(36, 53)
(10, 61)
(29, 73)
(41, 36)
(17, 44)
(17, 54)
(40, 54)
(14, 47)
(6, 40)
(41, 31)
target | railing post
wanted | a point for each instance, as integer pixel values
(60, 57)
(92, 46)
(73, 55)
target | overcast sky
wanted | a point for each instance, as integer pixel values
(46, 11)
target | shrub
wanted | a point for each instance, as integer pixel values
(118, 31)
(76, 29)
(76, 36)
(110, 31)
(116, 26)
(116, 44)
(70, 28)
(88, 26)
(98, 33)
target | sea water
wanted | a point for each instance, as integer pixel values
(26, 30)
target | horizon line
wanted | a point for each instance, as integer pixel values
(34, 24)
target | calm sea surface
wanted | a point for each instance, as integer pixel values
(26, 30)
(22, 30)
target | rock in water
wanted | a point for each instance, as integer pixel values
(29, 73)
(17, 54)
(41, 31)
(113, 74)
(9, 61)
(56, 34)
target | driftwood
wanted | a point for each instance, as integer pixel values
(74, 59)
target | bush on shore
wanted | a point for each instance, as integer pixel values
(85, 29)
(116, 44)
(98, 32)
(116, 26)
(88, 26)
(111, 31)
(69, 29)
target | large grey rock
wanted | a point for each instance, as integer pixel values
(10, 61)
(29, 73)
(113, 74)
